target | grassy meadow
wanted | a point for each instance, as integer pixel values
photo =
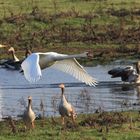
(108, 26)
(99, 126)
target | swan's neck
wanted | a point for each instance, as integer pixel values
(14, 57)
(27, 53)
(48, 59)
(62, 56)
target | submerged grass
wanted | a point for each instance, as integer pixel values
(102, 126)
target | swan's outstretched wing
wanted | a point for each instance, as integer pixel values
(31, 68)
(72, 67)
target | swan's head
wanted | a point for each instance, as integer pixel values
(27, 52)
(11, 49)
(62, 86)
(89, 54)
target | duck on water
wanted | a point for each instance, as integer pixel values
(128, 74)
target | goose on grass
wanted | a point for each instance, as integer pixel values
(29, 115)
(65, 108)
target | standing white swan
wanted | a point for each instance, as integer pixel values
(33, 64)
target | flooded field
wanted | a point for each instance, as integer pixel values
(108, 95)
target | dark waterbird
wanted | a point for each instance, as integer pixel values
(14, 63)
(127, 74)
(14, 58)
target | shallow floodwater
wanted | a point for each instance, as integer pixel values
(108, 95)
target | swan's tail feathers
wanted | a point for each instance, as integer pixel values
(31, 68)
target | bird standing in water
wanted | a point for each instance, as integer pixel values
(65, 108)
(34, 63)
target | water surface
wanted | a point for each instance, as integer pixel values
(109, 95)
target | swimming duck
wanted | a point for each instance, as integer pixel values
(35, 62)
(29, 115)
(127, 74)
(65, 108)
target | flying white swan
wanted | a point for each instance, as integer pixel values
(33, 64)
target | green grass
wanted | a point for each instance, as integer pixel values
(48, 24)
(64, 5)
(88, 127)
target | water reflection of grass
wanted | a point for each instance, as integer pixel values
(109, 126)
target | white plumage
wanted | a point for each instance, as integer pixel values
(33, 64)
(31, 68)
